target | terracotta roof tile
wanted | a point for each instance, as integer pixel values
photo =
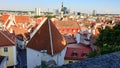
(22, 19)
(67, 24)
(37, 20)
(4, 18)
(17, 30)
(47, 38)
(67, 27)
(6, 39)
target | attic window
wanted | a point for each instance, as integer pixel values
(74, 54)
(43, 51)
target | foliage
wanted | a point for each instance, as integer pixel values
(49, 16)
(106, 49)
(43, 64)
(109, 36)
(108, 41)
(92, 54)
(37, 16)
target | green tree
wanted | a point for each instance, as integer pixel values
(109, 40)
(109, 36)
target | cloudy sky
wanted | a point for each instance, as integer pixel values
(101, 6)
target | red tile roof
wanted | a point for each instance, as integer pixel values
(80, 49)
(67, 24)
(19, 30)
(67, 27)
(4, 18)
(22, 19)
(6, 39)
(37, 20)
(47, 37)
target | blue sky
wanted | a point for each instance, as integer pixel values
(101, 6)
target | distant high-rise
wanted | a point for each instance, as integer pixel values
(94, 12)
(56, 11)
(37, 11)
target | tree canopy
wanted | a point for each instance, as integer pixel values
(109, 37)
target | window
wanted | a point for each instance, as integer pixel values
(5, 49)
(74, 54)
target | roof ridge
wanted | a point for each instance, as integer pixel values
(38, 27)
(7, 37)
(51, 41)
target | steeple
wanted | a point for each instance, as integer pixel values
(62, 5)
(62, 8)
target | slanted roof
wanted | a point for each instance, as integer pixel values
(47, 37)
(6, 39)
(67, 24)
(22, 19)
(4, 18)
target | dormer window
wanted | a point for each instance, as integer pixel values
(74, 54)
(43, 51)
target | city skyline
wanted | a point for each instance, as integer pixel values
(84, 6)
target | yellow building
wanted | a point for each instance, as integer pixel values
(8, 48)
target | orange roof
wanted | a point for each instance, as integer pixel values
(4, 18)
(37, 20)
(67, 24)
(18, 30)
(47, 37)
(6, 39)
(97, 32)
(22, 19)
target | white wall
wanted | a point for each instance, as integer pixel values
(10, 24)
(34, 57)
(78, 38)
(15, 55)
(59, 58)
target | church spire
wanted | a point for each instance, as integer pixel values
(62, 5)
(62, 10)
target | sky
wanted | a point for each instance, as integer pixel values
(83, 6)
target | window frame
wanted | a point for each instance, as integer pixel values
(5, 49)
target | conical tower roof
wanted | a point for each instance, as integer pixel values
(47, 37)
